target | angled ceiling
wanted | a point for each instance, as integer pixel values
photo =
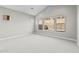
(29, 9)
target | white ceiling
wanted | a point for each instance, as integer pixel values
(27, 8)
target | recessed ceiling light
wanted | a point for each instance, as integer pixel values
(31, 8)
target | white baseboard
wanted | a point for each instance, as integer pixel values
(66, 38)
(23, 34)
(13, 36)
(75, 40)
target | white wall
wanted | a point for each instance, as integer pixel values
(69, 12)
(19, 23)
(78, 25)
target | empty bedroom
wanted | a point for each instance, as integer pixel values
(39, 29)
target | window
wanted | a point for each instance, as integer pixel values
(40, 25)
(6, 17)
(60, 24)
(49, 24)
(52, 24)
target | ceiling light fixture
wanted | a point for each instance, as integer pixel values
(31, 8)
